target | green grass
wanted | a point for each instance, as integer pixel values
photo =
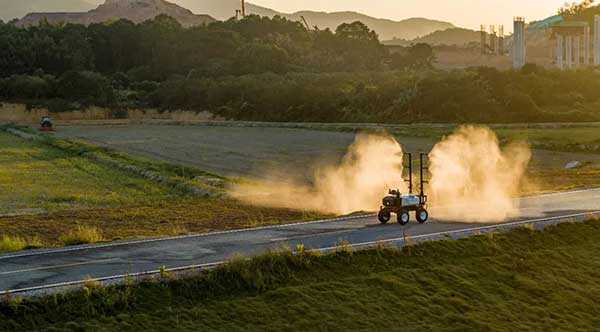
(36, 176)
(564, 139)
(524, 280)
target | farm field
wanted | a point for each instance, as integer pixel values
(53, 196)
(251, 151)
(53, 190)
(36, 177)
(532, 280)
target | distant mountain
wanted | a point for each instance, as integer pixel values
(134, 10)
(387, 29)
(454, 36)
(11, 9)
(137, 10)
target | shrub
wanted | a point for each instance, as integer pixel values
(86, 87)
(25, 86)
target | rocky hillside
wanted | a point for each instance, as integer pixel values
(223, 9)
(134, 10)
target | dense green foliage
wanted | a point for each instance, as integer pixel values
(523, 281)
(274, 70)
(160, 48)
(475, 95)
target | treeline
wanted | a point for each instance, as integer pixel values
(274, 70)
(533, 94)
(160, 48)
(479, 95)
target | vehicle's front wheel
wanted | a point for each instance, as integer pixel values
(422, 215)
(384, 216)
(403, 218)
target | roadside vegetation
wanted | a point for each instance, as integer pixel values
(57, 192)
(528, 280)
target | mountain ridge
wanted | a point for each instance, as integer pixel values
(387, 29)
(134, 10)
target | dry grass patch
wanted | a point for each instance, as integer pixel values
(82, 235)
(175, 218)
(14, 243)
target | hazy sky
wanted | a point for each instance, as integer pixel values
(465, 13)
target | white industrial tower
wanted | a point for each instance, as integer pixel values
(519, 53)
(597, 40)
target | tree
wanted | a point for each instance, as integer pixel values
(359, 46)
(260, 58)
(87, 87)
(575, 8)
(418, 56)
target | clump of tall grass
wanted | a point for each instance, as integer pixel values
(83, 235)
(9, 243)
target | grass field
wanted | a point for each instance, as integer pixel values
(524, 280)
(54, 193)
(584, 139)
(255, 151)
(34, 176)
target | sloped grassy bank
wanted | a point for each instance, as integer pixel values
(524, 280)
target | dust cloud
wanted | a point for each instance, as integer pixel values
(473, 179)
(372, 165)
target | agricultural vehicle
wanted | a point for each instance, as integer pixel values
(402, 205)
(46, 124)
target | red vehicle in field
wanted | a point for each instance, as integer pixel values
(46, 124)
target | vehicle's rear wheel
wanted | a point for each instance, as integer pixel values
(384, 216)
(403, 217)
(422, 215)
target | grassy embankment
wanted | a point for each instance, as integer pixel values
(524, 280)
(53, 193)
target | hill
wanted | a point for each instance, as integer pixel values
(387, 29)
(456, 36)
(220, 9)
(134, 10)
(12, 9)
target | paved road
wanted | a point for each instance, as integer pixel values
(40, 268)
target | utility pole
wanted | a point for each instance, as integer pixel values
(241, 12)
